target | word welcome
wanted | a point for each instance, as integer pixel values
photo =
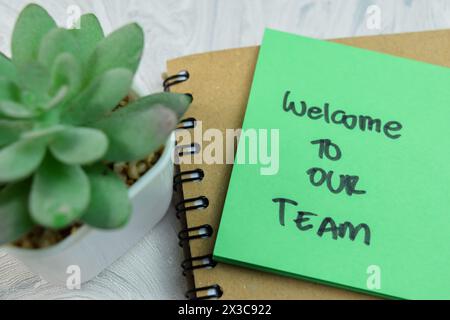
(390, 129)
(304, 222)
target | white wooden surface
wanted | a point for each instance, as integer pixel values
(175, 28)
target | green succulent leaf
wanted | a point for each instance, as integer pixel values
(55, 43)
(10, 130)
(66, 79)
(9, 90)
(57, 99)
(44, 134)
(110, 207)
(66, 71)
(88, 36)
(31, 27)
(21, 159)
(7, 68)
(121, 49)
(142, 126)
(14, 215)
(14, 110)
(79, 146)
(35, 81)
(99, 98)
(59, 195)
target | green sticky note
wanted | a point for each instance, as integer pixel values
(351, 182)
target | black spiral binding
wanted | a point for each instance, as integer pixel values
(193, 148)
(189, 234)
(185, 206)
(180, 77)
(196, 175)
(189, 123)
(203, 262)
(214, 291)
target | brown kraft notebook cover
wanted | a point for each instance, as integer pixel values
(220, 83)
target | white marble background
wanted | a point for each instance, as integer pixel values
(175, 28)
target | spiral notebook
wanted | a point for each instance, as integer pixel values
(220, 83)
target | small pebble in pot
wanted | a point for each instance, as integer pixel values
(133, 170)
(119, 167)
(142, 167)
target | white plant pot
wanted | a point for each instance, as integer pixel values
(93, 250)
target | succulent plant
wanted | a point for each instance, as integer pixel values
(59, 125)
